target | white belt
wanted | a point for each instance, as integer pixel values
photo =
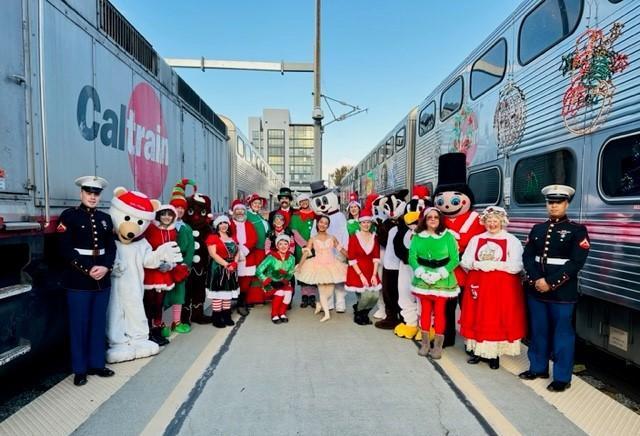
(552, 260)
(85, 252)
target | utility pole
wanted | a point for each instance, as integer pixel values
(317, 109)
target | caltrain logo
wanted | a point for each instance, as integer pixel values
(139, 129)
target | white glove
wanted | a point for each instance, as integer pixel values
(430, 277)
(118, 269)
(169, 252)
(486, 265)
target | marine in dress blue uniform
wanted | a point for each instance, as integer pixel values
(88, 247)
(554, 253)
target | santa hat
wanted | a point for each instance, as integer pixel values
(283, 237)
(366, 215)
(178, 195)
(420, 191)
(256, 196)
(237, 204)
(220, 219)
(134, 203)
(353, 200)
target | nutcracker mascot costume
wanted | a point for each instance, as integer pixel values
(392, 207)
(301, 224)
(199, 218)
(454, 199)
(244, 233)
(325, 201)
(401, 243)
(255, 293)
(127, 328)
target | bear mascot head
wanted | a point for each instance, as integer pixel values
(127, 330)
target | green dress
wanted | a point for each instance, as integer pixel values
(436, 255)
(187, 248)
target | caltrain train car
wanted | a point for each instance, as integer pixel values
(84, 93)
(549, 97)
(252, 173)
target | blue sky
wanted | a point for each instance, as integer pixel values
(382, 55)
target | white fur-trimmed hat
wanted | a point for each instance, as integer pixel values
(283, 237)
(134, 203)
(221, 219)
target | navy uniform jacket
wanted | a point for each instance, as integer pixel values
(556, 250)
(86, 240)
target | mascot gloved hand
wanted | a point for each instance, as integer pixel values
(127, 329)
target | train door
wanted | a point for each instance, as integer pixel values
(13, 133)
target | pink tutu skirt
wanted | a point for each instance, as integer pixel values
(316, 273)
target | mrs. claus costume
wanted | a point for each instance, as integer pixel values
(493, 313)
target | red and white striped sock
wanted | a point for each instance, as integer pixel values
(226, 304)
(216, 305)
(176, 311)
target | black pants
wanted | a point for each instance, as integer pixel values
(390, 294)
(193, 307)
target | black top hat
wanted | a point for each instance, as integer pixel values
(285, 192)
(452, 174)
(319, 188)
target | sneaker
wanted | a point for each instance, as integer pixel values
(181, 328)
(165, 331)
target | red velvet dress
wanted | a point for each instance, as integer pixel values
(367, 258)
(153, 278)
(492, 318)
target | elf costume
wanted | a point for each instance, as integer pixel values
(276, 272)
(255, 293)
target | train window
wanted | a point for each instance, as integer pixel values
(489, 69)
(485, 185)
(389, 147)
(620, 167)
(451, 99)
(400, 135)
(427, 119)
(240, 147)
(535, 172)
(546, 25)
(381, 154)
(615, 1)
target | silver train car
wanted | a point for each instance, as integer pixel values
(549, 97)
(253, 173)
(84, 93)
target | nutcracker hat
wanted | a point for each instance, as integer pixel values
(353, 200)
(283, 237)
(452, 175)
(219, 220)
(237, 204)
(558, 192)
(93, 184)
(256, 196)
(366, 215)
(285, 192)
(134, 203)
(178, 194)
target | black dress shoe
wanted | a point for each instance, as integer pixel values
(494, 363)
(530, 375)
(101, 372)
(284, 319)
(557, 386)
(276, 320)
(80, 379)
(474, 360)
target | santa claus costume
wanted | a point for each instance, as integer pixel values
(363, 256)
(246, 237)
(256, 204)
(493, 317)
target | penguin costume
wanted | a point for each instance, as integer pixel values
(454, 198)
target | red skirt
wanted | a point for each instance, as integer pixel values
(493, 307)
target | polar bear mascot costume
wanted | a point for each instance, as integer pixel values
(127, 328)
(324, 201)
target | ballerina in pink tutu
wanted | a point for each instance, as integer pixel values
(323, 269)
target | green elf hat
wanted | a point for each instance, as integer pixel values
(178, 194)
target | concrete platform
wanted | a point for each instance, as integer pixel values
(312, 378)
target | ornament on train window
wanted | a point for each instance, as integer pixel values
(532, 188)
(510, 117)
(464, 133)
(591, 66)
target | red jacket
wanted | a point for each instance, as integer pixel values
(246, 237)
(464, 227)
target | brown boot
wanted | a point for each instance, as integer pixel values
(387, 324)
(425, 344)
(436, 351)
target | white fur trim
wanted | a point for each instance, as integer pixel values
(363, 288)
(493, 349)
(160, 286)
(353, 262)
(435, 292)
(244, 250)
(473, 216)
(124, 207)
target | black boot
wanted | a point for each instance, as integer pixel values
(241, 305)
(217, 321)
(365, 316)
(226, 317)
(155, 335)
(312, 301)
(494, 363)
(305, 301)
